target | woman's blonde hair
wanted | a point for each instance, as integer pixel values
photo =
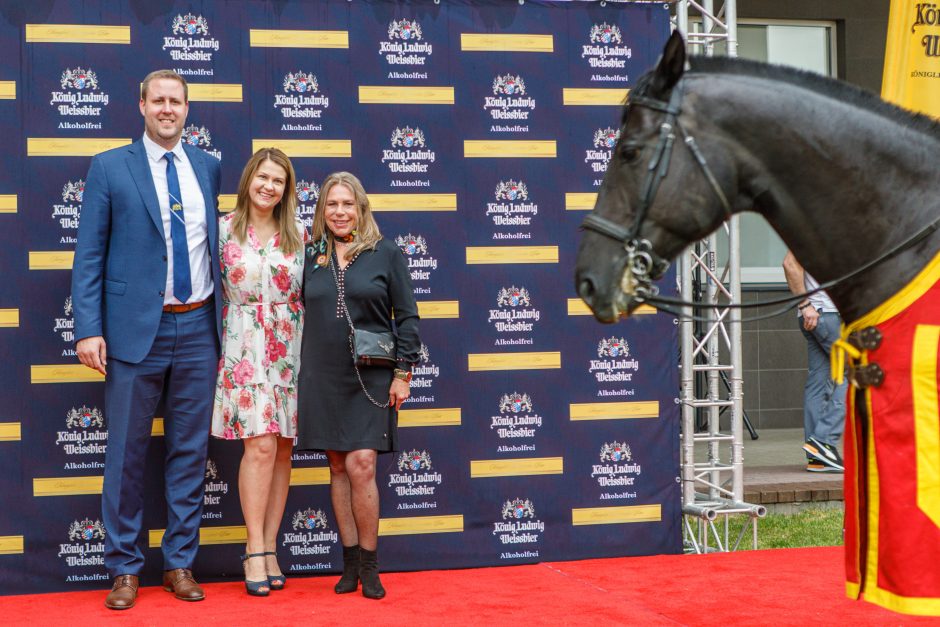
(367, 231)
(285, 213)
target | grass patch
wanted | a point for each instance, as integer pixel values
(810, 527)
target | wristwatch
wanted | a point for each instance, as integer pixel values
(404, 375)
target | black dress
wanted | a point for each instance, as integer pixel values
(333, 411)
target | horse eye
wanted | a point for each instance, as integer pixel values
(630, 153)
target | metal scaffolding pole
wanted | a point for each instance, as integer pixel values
(712, 458)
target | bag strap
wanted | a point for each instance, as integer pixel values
(352, 331)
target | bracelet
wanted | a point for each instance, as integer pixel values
(404, 375)
(804, 306)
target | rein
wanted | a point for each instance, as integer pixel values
(641, 259)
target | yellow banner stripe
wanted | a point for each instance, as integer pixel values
(9, 318)
(571, 96)
(64, 373)
(11, 545)
(319, 475)
(577, 307)
(420, 524)
(616, 515)
(7, 203)
(10, 431)
(77, 34)
(156, 430)
(477, 362)
(307, 147)
(613, 411)
(413, 202)
(227, 202)
(480, 468)
(439, 308)
(926, 419)
(445, 417)
(7, 90)
(419, 95)
(215, 92)
(267, 38)
(477, 255)
(494, 42)
(236, 534)
(67, 486)
(50, 259)
(580, 201)
(509, 148)
(71, 146)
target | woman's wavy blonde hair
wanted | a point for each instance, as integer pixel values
(285, 213)
(367, 231)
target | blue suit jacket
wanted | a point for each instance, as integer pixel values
(120, 269)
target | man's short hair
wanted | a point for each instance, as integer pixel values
(163, 74)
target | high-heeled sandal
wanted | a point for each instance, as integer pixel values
(275, 582)
(255, 588)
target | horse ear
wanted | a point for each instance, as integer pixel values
(671, 65)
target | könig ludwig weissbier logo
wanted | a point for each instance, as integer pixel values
(307, 195)
(509, 102)
(420, 263)
(405, 47)
(79, 98)
(65, 326)
(68, 212)
(424, 373)
(200, 137)
(84, 435)
(519, 525)
(215, 488)
(301, 99)
(598, 155)
(84, 548)
(511, 206)
(310, 535)
(415, 477)
(614, 363)
(605, 51)
(617, 469)
(189, 42)
(514, 313)
(516, 421)
(408, 154)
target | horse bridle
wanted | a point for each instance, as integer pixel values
(641, 258)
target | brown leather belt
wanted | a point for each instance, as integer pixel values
(176, 309)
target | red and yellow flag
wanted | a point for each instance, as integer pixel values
(912, 56)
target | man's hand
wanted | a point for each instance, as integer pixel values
(398, 392)
(93, 352)
(810, 318)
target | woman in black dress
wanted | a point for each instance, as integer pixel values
(352, 412)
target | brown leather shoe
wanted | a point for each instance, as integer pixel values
(123, 593)
(180, 581)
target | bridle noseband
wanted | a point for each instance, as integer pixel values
(642, 260)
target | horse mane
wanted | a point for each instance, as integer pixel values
(838, 90)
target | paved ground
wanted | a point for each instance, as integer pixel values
(775, 473)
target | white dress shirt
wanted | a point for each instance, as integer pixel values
(194, 213)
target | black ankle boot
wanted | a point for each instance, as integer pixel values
(369, 574)
(349, 582)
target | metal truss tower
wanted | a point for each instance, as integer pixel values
(712, 375)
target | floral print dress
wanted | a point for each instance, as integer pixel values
(262, 325)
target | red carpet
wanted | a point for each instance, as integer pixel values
(778, 587)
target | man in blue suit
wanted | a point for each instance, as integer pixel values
(147, 305)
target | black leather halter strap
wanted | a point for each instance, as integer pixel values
(658, 168)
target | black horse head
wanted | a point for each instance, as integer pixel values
(636, 225)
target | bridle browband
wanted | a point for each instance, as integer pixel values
(641, 259)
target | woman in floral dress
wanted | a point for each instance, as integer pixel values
(261, 245)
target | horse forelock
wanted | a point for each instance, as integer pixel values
(838, 90)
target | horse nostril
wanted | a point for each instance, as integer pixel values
(586, 289)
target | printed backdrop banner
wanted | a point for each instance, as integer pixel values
(481, 132)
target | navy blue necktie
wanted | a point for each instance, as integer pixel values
(182, 281)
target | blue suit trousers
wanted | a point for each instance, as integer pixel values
(181, 367)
